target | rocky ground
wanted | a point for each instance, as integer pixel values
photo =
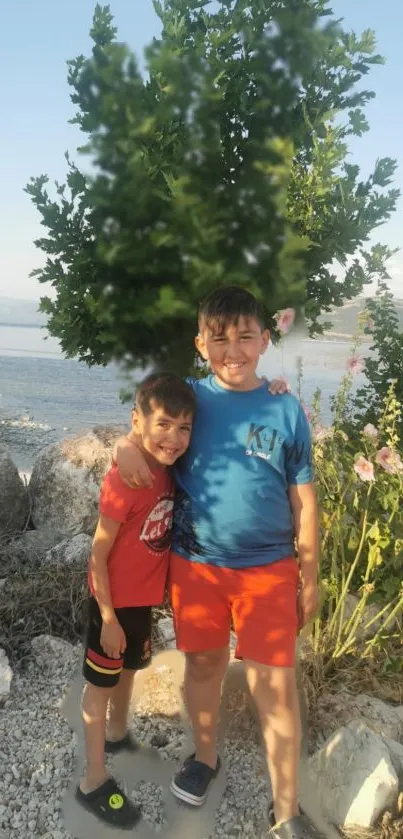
(355, 768)
(38, 754)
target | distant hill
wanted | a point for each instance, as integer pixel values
(15, 312)
(345, 319)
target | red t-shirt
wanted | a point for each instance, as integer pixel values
(138, 562)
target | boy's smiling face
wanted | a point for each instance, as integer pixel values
(164, 437)
(233, 352)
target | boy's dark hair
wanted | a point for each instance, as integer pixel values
(169, 392)
(224, 306)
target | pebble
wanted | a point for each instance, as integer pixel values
(39, 752)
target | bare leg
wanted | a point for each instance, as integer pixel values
(274, 690)
(94, 707)
(204, 674)
(119, 704)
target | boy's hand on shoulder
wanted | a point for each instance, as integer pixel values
(279, 386)
(113, 639)
(308, 602)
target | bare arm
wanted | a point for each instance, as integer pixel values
(113, 638)
(305, 513)
(131, 462)
(104, 539)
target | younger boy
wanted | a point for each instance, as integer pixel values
(127, 575)
(245, 491)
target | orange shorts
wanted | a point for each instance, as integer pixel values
(262, 602)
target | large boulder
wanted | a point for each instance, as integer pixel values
(65, 482)
(335, 710)
(14, 500)
(396, 754)
(354, 776)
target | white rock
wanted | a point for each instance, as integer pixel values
(167, 631)
(46, 646)
(6, 675)
(399, 711)
(341, 708)
(396, 753)
(75, 551)
(14, 500)
(354, 776)
(65, 482)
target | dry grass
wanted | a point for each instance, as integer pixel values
(37, 599)
(389, 827)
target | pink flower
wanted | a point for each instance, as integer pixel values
(306, 411)
(284, 320)
(355, 364)
(322, 433)
(370, 431)
(389, 460)
(364, 469)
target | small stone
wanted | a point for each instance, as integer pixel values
(167, 630)
(15, 772)
(159, 741)
(6, 675)
(46, 646)
(75, 552)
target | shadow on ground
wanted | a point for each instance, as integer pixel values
(146, 765)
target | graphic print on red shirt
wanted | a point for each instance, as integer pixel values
(138, 562)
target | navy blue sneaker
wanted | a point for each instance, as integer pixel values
(192, 782)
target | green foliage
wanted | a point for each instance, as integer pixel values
(360, 489)
(226, 164)
(385, 365)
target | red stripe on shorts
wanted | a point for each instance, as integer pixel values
(112, 663)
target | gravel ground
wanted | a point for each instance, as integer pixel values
(39, 753)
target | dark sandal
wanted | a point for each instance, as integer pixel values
(300, 827)
(110, 804)
(127, 743)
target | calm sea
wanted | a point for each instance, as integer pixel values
(45, 397)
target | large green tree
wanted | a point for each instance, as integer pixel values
(227, 162)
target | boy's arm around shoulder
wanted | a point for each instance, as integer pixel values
(131, 463)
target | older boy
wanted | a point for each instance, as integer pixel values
(245, 491)
(127, 575)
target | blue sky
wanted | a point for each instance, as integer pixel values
(38, 37)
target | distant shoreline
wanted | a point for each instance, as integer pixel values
(23, 325)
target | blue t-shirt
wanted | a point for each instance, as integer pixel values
(232, 507)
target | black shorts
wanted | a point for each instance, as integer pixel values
(103, 671)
